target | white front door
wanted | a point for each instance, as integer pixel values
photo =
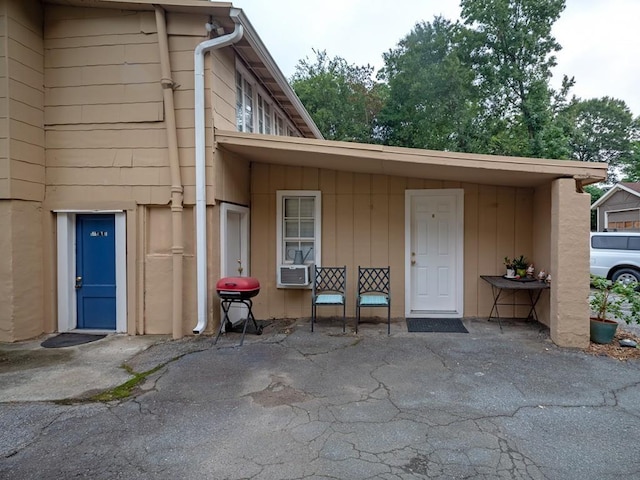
(234, 242)
(434, 251)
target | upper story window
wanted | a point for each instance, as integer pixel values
(266, 117)
(244, 104)
(280, 129)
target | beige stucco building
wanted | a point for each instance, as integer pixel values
(150, 148)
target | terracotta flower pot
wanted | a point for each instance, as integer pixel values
(602, 330)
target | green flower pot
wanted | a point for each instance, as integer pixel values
(602, 331)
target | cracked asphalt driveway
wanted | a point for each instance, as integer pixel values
(331, 406)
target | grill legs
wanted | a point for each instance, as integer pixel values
(226, 304)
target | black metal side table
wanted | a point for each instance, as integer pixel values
(501, 286)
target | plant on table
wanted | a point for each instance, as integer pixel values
(610, 302)
(508, 263)
(518, 264)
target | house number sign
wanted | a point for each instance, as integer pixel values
(99, 234)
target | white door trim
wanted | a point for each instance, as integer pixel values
(66, 256)
(244, 254)
(237, 311)
(459, 246)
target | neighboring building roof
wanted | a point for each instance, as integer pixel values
(632, 188)
(407, 162)
(250, 48)
(635, 186)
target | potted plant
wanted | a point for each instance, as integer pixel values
(520, 264)
(610, 302)
(508, 263)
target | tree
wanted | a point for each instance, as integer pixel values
(432, 100)
(600, 130)
(631, 167)
(513, 58)
(342, 99)
(595, 192)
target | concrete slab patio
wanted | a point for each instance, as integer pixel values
(292, 404)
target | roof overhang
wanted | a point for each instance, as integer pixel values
(407, 162)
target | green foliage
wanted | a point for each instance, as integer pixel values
(595, 193)
(432, 101)
(513, 56)
(631, 167)
(599, 130)
(614, 300)
(520, 263)
(517, 263)
(126, 389)
(342, 99)
(481, 86)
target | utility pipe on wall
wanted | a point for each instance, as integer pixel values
(177, 246)
(201, 184)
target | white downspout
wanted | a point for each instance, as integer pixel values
(201, 183)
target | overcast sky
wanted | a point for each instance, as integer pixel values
(600, 39)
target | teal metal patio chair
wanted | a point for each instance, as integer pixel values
(329, 288)
(374, 290)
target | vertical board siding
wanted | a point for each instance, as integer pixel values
(363, 224)
(471, 253)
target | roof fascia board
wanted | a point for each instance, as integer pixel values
(616, 188)
(565, 168)
(163, 3)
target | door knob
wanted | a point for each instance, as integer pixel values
(413, 262)
(78, 282)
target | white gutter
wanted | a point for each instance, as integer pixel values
(201, 185)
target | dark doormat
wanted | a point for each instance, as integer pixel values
(70, 339)
(450, 325)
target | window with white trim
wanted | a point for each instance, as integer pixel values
(266, 118)
(280, 130)
(244, 104)
(299, 225)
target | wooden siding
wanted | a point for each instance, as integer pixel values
(363, 224)
(22, 174)
(104, 105)
(22, 287)
(157, 267)
(101, 69)
(5, 162)
(620, 201)
(222, 62)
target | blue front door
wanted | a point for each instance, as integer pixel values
(96, 271)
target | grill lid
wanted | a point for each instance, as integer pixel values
(238, 284)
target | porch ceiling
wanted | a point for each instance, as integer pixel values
(406, 162)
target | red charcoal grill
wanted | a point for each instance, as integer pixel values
(237, 290)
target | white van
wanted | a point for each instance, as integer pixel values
(616, 255)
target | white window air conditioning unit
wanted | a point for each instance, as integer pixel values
(293, 275)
